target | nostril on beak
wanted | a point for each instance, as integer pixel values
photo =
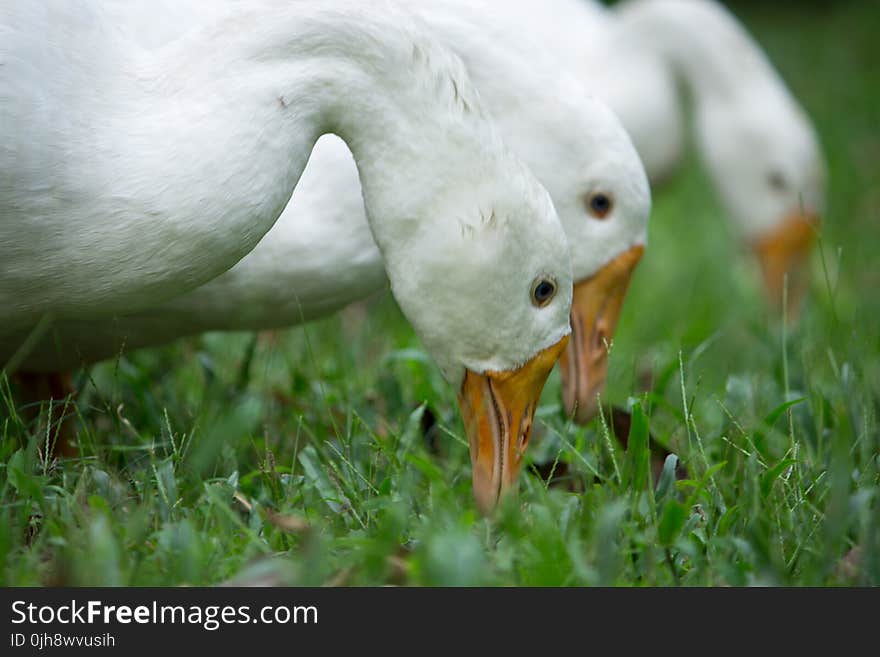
(600, 344)
(524, 433)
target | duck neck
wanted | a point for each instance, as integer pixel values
(703, 42)
(408, 112)
(224, 119)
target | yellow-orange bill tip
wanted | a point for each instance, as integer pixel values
(498, 410)
(783, 254)
(595, 309)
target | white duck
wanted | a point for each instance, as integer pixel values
(128, 177)
(758, 145)
(322, 248)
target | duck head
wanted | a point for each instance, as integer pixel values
(486, 282)
(766, 163)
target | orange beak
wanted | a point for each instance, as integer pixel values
(498, 409)
(784, 252)
(595, 309)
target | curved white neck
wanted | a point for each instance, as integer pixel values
(703, 42)
(195, 148)
(387, 91)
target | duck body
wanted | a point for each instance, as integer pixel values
(318, 257)
(137, 162)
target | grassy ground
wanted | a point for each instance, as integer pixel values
(299, 457)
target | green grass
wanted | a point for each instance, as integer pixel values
(298, 457)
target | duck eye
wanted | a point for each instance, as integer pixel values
(777, 181)
(543, 291)
(599, 205)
